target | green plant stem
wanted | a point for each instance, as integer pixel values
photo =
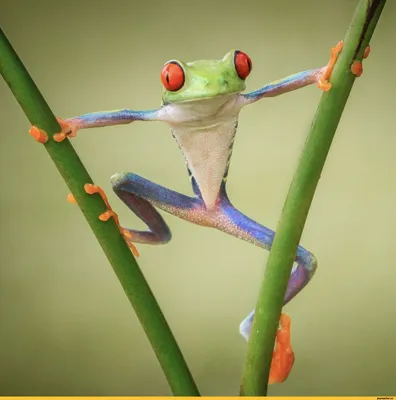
(114, 246)
(299, 198)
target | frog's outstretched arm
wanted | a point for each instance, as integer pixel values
(70, 126)
(319, 76)
(286, 85)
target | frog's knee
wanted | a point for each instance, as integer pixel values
(306, 260)
(312, 266)
(118, 180)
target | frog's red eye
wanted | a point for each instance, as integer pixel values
(243, 64)
(172, 76)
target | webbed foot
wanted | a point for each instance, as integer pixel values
(68, 131)
(283, 356)
(42, 137)
(92, 189)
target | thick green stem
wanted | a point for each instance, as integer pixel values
(299, 198)
(107, 233)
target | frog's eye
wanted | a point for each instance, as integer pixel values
(172, 76)
(243, 64)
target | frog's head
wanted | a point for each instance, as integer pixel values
(205, 79)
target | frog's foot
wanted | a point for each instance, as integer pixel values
(283, 356)
(92, 189)
(357, 66)
(324, 77)
(38, 134)
(67, 131)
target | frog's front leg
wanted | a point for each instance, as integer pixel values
(70, 126)
(319, 76)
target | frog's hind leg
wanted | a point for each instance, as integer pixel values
(142, 196)
(233, 222)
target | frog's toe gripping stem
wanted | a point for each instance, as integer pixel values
(92, 189)
(283, 356)
(71, 199)
(323, 80)
(67, 131)
(357, 66)
(367, 51)
(142, 197)
(38, 134)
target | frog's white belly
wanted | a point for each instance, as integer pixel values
(207, 152)
(205, 133)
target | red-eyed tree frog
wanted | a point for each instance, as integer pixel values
(201, 102)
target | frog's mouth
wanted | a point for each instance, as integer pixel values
(209, 109)
(200, 97)
(206, 97)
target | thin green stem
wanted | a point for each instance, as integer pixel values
(299, 198)
(114, 246)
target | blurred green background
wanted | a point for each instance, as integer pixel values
(66, 326)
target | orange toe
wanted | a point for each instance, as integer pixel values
(90, 188)
(367, 51)
(71, 199)
(38, 134)
(357, 66)
(107, 215)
